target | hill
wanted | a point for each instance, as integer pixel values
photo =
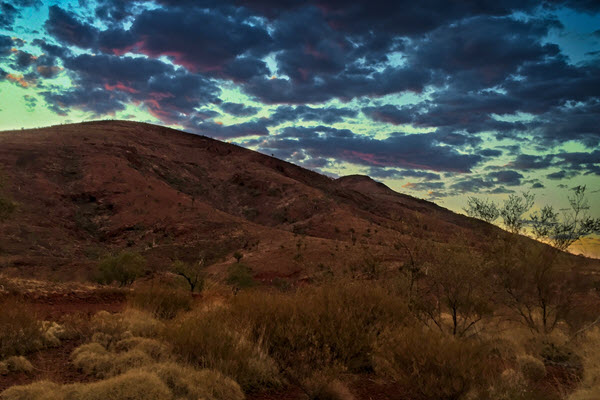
(86, 189)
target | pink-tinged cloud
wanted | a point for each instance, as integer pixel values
(19, 79)
(120, 86)
(127, 49)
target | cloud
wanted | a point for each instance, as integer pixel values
(507, 177)
(376, 172)
(70, 30)
(238, 109)
(327, 115)
(8, 15)
(416, 151)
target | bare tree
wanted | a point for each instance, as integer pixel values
(534, 285)
(513, 209)
(564, 229)
(455, 284)
(485, 210)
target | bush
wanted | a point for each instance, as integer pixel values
(163, 302)
(20, 331)
(532, 368)
(322, 327)
(240, 276)
(123, 268)
(15, 364)
(431, 365)
(210, 339)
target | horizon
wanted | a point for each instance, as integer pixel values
(446, 103)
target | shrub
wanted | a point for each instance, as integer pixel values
(532, 368)
(322, 327)
(162, 301)
(210, 339)
(15, 364)
(20, 331)
(431, 365)
(123, 268)
(240, 276)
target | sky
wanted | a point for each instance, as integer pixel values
(439, 99)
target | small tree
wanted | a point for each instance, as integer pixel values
(533, 286)
(455, 284)
(123, 268)
(238, 256)
(564, 229)
(485, 210)
(7, 207)
(513, 209)
(193, 273)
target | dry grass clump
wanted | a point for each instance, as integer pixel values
(20, 330)
(160, 300)
(106, 364)
(210, 339)
(432, 365)
(15, 364)
(152, 347)
(133, 385)
(107, 328)
(156, 382)
(191, 384)
(321, 386)
(41, 390)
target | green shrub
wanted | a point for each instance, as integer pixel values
(240, 276)
(123, 268)
(162, 301)
(7, 207)
(20, 331)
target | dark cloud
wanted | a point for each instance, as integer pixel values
(327, 115)
(506, 177)
(390, 114)
(481, 52)
(6, 44)
(345, 86)
(419, 151)
(170, 95)
(376, 172)
(258, 127)
(530, 162)
(238, 109)
(69, 30)
(8, 14)
(23, 60)
(200, 40)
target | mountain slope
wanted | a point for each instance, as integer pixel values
(86, 189)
